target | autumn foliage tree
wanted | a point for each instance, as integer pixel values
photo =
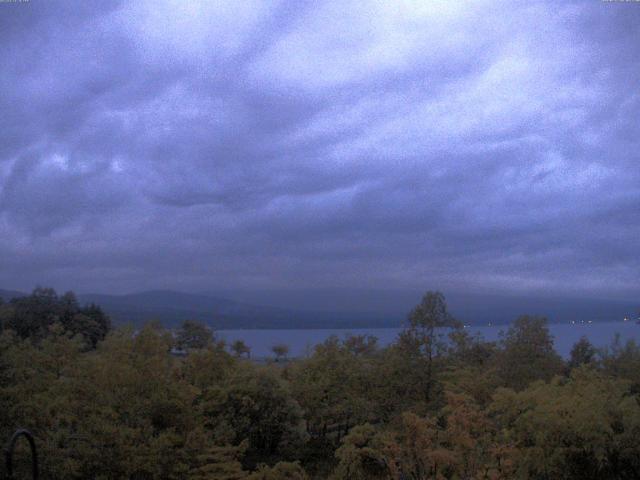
(438, 403)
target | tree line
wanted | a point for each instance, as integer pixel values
(439, 403)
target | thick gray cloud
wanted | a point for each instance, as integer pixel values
(477, 146)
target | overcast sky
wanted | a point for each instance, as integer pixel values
(480, 146)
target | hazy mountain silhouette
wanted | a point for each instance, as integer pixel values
(7, 295)
(348, 309)
(171, 307)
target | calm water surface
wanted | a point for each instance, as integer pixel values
(301, 342)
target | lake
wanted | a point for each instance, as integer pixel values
(301, 342)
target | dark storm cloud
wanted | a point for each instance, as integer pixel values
(277, 145)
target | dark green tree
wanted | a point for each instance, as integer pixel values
(193, 335)
(94, 324)
(281, 351)
(582, 353)
(239, 348)
(32, 316)
(424, 337)
(255, 405)
(527, 353)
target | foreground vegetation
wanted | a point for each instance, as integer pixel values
(120, 404)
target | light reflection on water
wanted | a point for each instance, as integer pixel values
(301, 342)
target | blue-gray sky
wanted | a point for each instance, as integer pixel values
(486, 146)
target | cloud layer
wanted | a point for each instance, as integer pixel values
(491, 146)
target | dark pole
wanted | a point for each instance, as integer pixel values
(8, 452)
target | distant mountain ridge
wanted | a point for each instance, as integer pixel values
(172, 307)
(7, 295)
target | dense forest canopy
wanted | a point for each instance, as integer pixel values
(32, 316)
(108, 403)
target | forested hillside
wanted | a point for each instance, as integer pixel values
(108, 403)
